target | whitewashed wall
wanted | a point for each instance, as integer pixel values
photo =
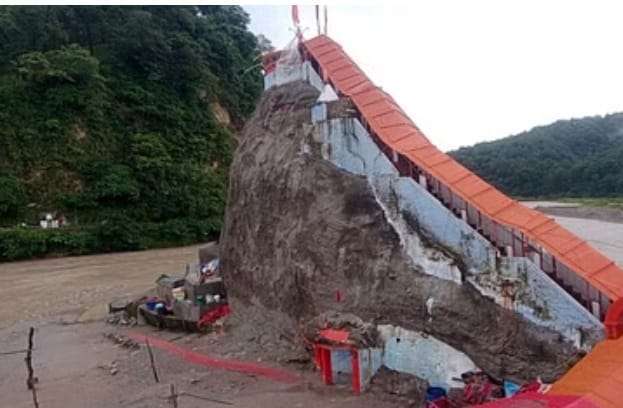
(286, 74)
(424, 356)
(353, 150)
(537, 298)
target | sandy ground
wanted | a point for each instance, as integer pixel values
(65, 288)
(573, 210)
(548, 204)
(607, 237)
(65, 300)
(599, 227)
(73, 364)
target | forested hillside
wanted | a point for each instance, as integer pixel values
(107, 116)
(569, 158)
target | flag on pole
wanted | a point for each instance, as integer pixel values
(326, 20)
(318, 19)
(295, 15)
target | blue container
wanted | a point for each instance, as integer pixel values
(159, 308)
(434, 393)
(151, 304)
(510, 388)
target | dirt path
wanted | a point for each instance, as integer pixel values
(600, 227)
(607, 237)
(74, 363)
(65, 300)
(570, 210)
(69, 287)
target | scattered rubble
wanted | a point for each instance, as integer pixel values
(191, 303)
(122, 340)
(110, 368)
(121, 318)
(124, 312)
(406, 387)
(480, 388)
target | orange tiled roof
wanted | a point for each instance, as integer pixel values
(598, 376)
(336, 336)
(394, 127)
(537, 400)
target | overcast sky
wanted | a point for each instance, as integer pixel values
(470, 71)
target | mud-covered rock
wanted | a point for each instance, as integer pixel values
(405, 386)
(303, 237)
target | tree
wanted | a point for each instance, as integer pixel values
(12, 197)
(71, 64)
(106, 115)
(578, 157)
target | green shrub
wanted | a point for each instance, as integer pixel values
(12, 197)
(106, 117)
(118, 233)
(25, 243)
(21, 243)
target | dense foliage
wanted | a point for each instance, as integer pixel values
(572, 158)
(106, 117)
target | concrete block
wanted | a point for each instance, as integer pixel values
(211, 287)
(186, 310)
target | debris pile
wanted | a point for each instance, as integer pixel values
(192, 302)
(479, 388)
(122, 341)
(110, 368)
(121, 318)
(124, 312)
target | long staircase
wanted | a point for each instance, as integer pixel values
(583, 273)
(514, 229)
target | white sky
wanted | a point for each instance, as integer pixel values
(470, 71)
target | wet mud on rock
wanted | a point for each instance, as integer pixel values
(298, 230)
(405, 388)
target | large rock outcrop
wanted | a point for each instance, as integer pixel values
(303, 237)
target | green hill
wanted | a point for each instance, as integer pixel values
(569, 158)
(107, 116)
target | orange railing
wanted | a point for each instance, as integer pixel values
(593, 279)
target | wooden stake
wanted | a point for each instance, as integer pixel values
(173, 397)
(8, 353)
(151, 361)
(31, 380)
(205, 398)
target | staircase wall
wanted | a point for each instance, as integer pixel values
(423, 223)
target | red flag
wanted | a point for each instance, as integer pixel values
(295, 15)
